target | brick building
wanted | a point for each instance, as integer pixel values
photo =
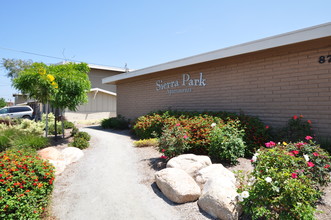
(272, 78)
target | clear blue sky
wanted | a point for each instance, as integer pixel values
(145, 32)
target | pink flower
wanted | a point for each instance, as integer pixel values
(309, 122)
(310, 164)
(315, 154)
(267, 127)
(178, 124)
(270, 144)
(326, 166)
(295, 117)
(185, 137)
(295, 152)
(294, 175)
(163, 150)
(163, 157)
(291, 154)
(308, 138)
(300, 144)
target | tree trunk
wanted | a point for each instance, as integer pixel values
(62, 123)
(55, 123)
(46, 119)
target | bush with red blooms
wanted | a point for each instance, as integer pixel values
(26, 181)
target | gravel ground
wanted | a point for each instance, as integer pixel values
(116, 181)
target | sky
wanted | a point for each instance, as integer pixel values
(141, 33)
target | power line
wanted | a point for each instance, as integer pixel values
(48, 56)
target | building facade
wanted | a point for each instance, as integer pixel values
(273, 79)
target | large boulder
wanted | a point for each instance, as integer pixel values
(190, 163)
(177, 185)
(49, 153)
(219, 199)
(214, 171)
(71, 154)
(59, 165)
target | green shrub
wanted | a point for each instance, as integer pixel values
(80, 143)
(146, 142)
(285, 184)
(226, 142)
(173, 141)
(118, 122)
(26, 182)
(68, 124)
(74, 131)
(4, 143)
(31, 140)
(84, 135)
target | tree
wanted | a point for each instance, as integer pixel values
(73, 85)
(3, 102)
(63, 86)
(14, 66)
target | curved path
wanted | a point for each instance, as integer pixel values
(104, 184)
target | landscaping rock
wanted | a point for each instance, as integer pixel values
(50, 153)
(219, 199)
(71, 154)
(214, 171)
(190, 163)
(59, 165)
(177, 185)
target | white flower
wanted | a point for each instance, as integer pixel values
(245, 194)
(256, 154)
(254, 158)
(306, 157)
(268, 179)
(213, 125)
(240, 198)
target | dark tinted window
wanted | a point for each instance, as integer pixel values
(19, 109)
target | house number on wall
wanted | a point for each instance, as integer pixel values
(324, 59)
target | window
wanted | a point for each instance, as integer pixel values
(4, 111)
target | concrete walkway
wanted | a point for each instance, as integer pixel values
(104, 184)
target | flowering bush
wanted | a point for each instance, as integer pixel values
(297, 129)
(287, 177)
(226, 142)
(26, 182)
(173, 141)
(198, 124)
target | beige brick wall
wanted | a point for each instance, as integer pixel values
(273, 85)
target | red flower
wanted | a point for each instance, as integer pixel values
(295, 117)
(326, 166)
(309, 122)
(315, 154)
(300, 144)
(308, 138)
(301, 116)
(185, 137)
(163, 150)
(163, 157)
(294, 175)
(310, 164)
(295, 152)
(267, 127)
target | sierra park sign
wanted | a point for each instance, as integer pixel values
(182, 85)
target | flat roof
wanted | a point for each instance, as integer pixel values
(116, 69)
(306, 34)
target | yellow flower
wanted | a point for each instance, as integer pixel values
(50, 77)
(42, 71)
(55, 85)
(284, 143)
